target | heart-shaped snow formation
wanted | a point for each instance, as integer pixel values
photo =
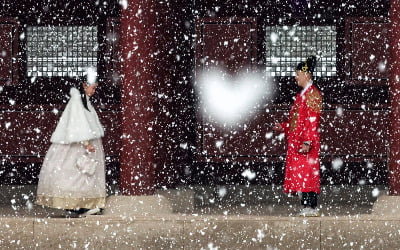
(231, 100)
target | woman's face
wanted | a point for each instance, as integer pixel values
(89, 89)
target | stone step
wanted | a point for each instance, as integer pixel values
(177, 231)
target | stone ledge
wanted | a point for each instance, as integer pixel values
(181, 199)
(171, 231)
(387, 206)
(128, 206)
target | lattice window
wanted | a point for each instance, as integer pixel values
(286, 46)
(61, 50)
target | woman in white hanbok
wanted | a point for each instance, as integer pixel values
(62, 184)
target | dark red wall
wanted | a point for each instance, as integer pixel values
(359, 135)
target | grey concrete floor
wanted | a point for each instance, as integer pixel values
(239, 200)
(218, 209)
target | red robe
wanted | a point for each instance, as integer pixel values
(302, 171)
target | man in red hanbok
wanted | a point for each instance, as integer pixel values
(302, 173)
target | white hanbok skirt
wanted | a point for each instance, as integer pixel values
(63, 185)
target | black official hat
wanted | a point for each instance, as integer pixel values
(308, 65)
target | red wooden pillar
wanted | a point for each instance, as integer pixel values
(394, 157)
(137, 115)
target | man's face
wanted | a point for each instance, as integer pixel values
(302, 78)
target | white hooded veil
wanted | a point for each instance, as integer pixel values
(77, 123)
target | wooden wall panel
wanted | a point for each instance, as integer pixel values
(355, 133)
(25, 139)
(367, 50)
(112, 126)
(27, 133)
(112, 54)
(6, 41)
(348, 134)
(229, 44)
(252, 139)
(9, 51)
(226, 43)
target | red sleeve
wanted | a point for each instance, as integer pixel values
(313, 115)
